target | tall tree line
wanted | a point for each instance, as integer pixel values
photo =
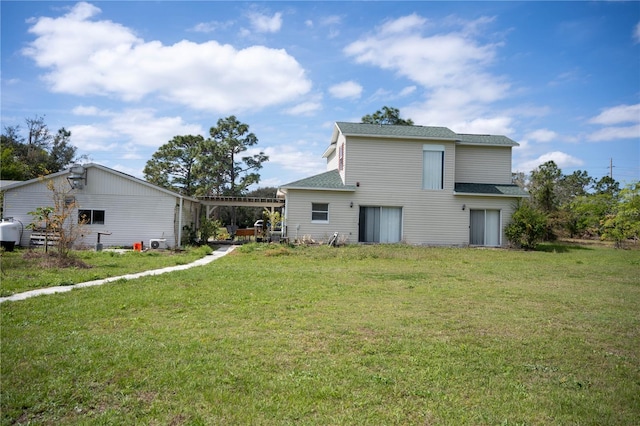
(35, 153)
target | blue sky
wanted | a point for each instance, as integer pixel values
(560, 78)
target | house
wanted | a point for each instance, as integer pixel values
(413, 184)
(129, 209)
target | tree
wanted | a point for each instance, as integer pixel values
(228, 172)
(542, 186)
(173, 165)
(38, 154)
(388, 115)
(624, 224)
(61, 218)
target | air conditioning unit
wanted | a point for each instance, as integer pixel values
(158, 243)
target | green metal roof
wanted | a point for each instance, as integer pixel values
(497, 140)
(381, 130)
(330, 180)
(490, 189)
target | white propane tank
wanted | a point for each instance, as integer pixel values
(9, 234)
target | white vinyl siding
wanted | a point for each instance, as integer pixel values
(432, 166)
(478, 164)
(134, 211)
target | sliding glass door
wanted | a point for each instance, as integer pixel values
(380, 225)
(484, 229)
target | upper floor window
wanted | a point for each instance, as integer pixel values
(319, 212)
(432, 166)
(91, 217)
(341, 157)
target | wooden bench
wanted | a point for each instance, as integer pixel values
(244, 233)
(38, 238)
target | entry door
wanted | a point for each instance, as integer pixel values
(380, 224)
(484, 229)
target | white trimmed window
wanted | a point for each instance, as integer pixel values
(432, 166)
(91, 217)
(320, 212)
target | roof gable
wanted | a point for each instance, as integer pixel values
(396, 131)
(103, 168)
(330, 181)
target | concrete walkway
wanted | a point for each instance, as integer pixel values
(61, 289)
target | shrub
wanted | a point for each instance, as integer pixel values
(527, 228)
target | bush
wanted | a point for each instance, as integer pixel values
(527, 228)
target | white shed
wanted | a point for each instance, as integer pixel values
(130, 209)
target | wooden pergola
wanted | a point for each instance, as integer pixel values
(212, 203)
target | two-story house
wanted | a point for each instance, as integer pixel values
(413, 184)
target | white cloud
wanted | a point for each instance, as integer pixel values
(542, 135)
(492, 126)
(613, 133)
(290, 158)
(211, 26)
(636, 33)
(451, 66)
(618, 114)
(84, 56)
(305, 108)
(264, 23)
(346, 89)
(408, 90)
(562, 159)
(129, 130)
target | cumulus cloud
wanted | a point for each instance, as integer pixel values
(85, 56)
(131, 127)
(346, 89)
(264, 23)
(562, 159)
(452, 66)
(618, 115)
(542, 135)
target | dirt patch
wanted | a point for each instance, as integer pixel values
(52, 260)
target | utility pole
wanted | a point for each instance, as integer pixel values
(611, 168)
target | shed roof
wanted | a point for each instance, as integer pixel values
(104, 168)
(489, 189)
(497, 140)
(327, 181)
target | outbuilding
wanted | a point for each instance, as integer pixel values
(121, 208)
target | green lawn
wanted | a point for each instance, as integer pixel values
(22, 269)
(351, 335)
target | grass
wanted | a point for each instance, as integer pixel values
(353, 335)
(21, 269)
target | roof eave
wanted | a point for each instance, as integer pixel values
(306, 188)
(484, 194)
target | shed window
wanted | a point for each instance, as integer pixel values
(319, 212)
(91, 217)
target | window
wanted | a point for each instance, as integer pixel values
(319, 212)
(91, 217)
(341, 157)
(432, 166)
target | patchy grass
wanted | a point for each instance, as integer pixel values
(350, 335)
(23, 270)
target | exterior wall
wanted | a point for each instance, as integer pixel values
(388, 173)
(483, 164)
(506, 205)
(342, 217)
(133, 211)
